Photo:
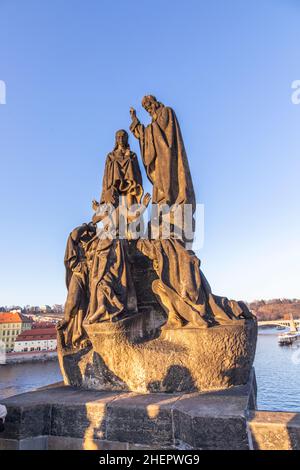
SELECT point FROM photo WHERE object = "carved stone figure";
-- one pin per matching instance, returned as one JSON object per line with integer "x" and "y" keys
{"x": 181, "y": 287}
{"x": 78, "y": 260}
{"x": 164, "y": 154}
{"x": 122, "y": 175}
{"x": 112, "y": 290}
{"x": 142, "y": 309}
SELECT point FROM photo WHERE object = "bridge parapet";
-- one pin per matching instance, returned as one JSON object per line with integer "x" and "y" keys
{"x": 277, "y": 323}
{"x": 274, "y": 430}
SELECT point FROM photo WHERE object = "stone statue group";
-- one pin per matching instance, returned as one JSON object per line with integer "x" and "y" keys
{"x": 99, "y": 277}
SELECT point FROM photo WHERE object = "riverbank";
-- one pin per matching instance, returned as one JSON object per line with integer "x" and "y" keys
{"x": 31, "y": 356}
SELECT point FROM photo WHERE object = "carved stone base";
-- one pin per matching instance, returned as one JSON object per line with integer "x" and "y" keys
{"x": 122, "y": 358}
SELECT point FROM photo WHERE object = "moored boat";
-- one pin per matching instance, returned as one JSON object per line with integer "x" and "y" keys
{"x": 291, "y": 336}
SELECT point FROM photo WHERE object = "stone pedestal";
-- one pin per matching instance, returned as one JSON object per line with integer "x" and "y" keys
{"x": 68, "y": 418}
{"x": 123, "y": 358}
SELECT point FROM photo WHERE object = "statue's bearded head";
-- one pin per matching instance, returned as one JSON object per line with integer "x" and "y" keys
{"x": 150, "y": 103}
{"x": 121, "y": 139}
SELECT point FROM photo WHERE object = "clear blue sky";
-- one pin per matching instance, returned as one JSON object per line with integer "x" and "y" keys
{"x": 72, "y": 70}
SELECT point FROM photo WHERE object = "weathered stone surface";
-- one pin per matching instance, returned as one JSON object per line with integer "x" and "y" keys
{"x": 275, "y": 430}
{"x": 31, "y": 443}
{"x": 142, "y": 419}
{"x": 121, "y": 354}
{"x": 73, "y": 443}
{"x": 217, "y": 420}
{"x": 178, "y": 360}
{"x": 79, "y": 419}
{"x": 22, "y": 422}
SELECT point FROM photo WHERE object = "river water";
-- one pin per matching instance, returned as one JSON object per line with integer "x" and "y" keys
{"x": 277, "y": 373}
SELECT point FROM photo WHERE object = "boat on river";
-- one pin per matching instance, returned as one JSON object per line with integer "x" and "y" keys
{"x": 286, "y": 339}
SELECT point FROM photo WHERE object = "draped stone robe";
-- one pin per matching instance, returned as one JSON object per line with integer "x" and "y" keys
{"x": 97, "y": 275}
{"x": 77, "y": 259}
{"x": 165, "y": 158}
{"x": 122, "y": 175}
{"x": 183, "y": 290}
{"x": 111, "y": 284}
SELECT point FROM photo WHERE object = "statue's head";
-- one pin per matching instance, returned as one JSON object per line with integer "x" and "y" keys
{"x": 121, "y": 139}
{"x": 150, "y": 103}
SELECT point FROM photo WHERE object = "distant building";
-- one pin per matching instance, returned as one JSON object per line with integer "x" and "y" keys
{"x": 32, "y": 309}
{"x": 11, "y": 325}
{"x": 43, "y": 324}
{"x": 58, "y": 308}
{"x": 36, "y": 340}
{"x": 45, "y": 308}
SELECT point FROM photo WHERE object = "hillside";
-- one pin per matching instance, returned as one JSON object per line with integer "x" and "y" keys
{"x": 275, "y": 309}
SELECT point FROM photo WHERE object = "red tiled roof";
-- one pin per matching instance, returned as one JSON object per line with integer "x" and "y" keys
{"x": 37, "y": 334}
{"x": 13, "y": 317}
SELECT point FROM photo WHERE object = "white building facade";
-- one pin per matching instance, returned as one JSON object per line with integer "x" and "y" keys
{"x": 36, "y": 340}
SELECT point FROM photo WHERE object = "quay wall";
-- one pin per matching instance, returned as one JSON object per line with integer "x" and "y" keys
{"x": 33, "y": 356}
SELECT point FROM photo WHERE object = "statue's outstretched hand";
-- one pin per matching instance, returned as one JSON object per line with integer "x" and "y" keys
{"x": 132, "y": 113}
{"x": 146, "y": 200}
{"x": 95, "y": 205}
